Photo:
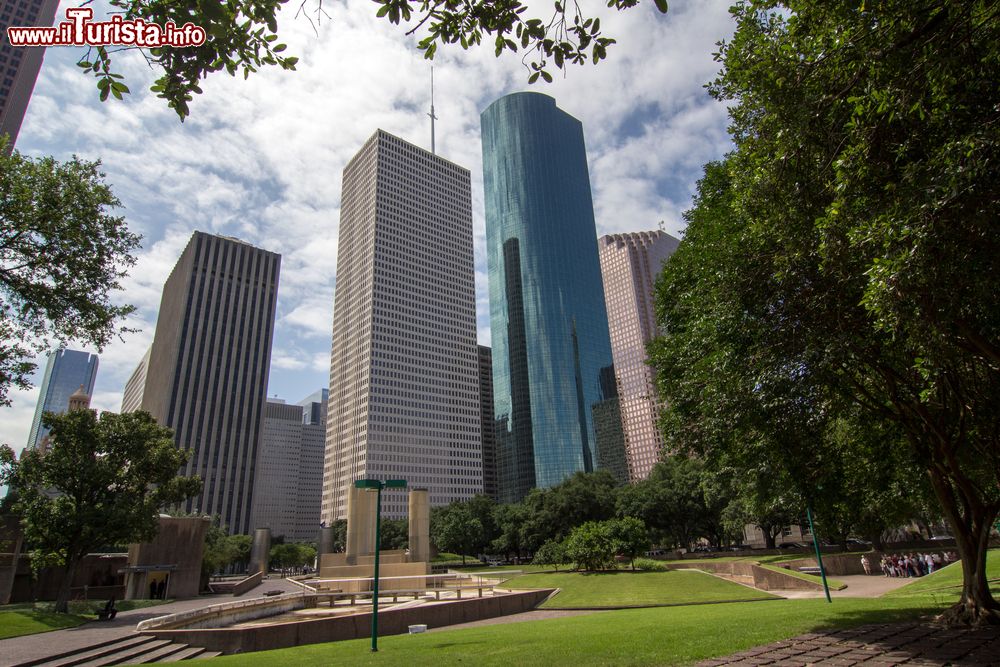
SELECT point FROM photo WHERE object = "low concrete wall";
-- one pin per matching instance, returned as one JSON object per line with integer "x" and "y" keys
{"x": 752, "y": 574}
{"x": 227, "y": 613}
{"x": 390, "y": 622}
{"x": 251, "y": 582}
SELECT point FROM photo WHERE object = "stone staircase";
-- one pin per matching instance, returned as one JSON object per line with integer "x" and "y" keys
{"x": 134, "y": 649}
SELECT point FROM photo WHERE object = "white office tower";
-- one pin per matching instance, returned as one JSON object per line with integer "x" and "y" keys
{"x": 404, "y": 379}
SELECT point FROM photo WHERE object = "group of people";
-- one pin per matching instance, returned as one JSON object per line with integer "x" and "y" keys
{"x": 910, "y": 565}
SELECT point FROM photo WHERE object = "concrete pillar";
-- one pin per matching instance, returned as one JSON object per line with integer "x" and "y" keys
{"x": 260, "y": 551}
{"x": 325, "y": 542}
{"x": 361, "y": 505}
{"x": 420, "y": 526}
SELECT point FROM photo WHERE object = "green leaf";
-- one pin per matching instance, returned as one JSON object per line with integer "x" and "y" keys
{"x": 661, "y": 5}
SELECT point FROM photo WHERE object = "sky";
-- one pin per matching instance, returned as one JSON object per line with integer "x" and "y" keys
{"x": 262, "y": 159}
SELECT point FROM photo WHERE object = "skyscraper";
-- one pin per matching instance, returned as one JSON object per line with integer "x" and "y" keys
{"x": 289, "y": 475}
{"x": 486, "y": 422}
{"x": 404, "y": 384}
{"x": 547, "y": 316}
{"x": 206, "y": 373}
{"x": 19, "y": 65}
{"x": 65, "y": 372}
{"x": 630, "y": 264}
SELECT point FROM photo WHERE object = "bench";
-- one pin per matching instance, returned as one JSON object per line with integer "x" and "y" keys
{"x": 810, "y": 570}
{"x": 332, "y": 596}
{"x": 107, "y": 612}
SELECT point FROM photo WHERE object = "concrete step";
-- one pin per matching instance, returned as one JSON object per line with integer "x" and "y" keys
{"x": 207, "y": 654}
{"x": 92, "y": 652}
{"x": 186, "y": 653}
{"x": 129, "y": 654}
{"x": 161, "y": 654}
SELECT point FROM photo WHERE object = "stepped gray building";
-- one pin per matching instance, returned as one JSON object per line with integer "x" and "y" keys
{"x": 629, "y": 265}
{"x": 289, "y": 475}
{"x": 205, "y": 375}
{"x": 404, "y": 380}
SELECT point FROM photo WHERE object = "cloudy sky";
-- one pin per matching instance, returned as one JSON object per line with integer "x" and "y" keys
{"x": 262, "y": 159}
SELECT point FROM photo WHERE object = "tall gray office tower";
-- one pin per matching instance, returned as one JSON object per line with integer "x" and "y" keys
{"x": 289, "y": 475}
{"x": 554, "y": 406}
{"x": 206, "y": 372}
{"x": 404, "y": 383}
{"x": 65, "y": 372}
{"x": 486, "y": 420}
{"x": 630, "y": 264}
{"x": 19, "y": 65}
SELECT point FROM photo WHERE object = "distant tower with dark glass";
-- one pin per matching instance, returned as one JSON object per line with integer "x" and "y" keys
{"x": 486, "y": 412}
{"x": 19, "y": 66}
{"x": 549, "y": 325}
{"x": 404, "y": 384}
{"x": 206, "y": 372}
{"x": 65, "y": 372}
{"x": 630, "y": 264}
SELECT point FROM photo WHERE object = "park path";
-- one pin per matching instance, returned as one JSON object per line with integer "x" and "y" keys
{"x": 17, "y": 650}
{"x": 858, "y": 586}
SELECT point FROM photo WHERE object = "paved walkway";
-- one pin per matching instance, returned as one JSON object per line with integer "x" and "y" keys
{"x": 909, "y": 644}
{"x": 16, "y": 650}
{"x": 858, "y": 586}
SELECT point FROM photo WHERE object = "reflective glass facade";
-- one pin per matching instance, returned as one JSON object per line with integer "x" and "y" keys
{"x": 551, "y": 348}
{"x": 65, "y": 372}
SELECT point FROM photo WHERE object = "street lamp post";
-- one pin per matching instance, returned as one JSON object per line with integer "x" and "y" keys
{"x": 377, "y": 486}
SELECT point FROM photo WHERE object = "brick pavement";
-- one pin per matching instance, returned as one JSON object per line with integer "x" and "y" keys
{"x": 910, "y": 644}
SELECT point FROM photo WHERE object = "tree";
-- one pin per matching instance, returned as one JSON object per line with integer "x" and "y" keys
{"x": 551, "y": 553}
{"x": 592, "y": 546}
{"x": 102, "y": 481}
{"x": 61, "y": 256}
{"x": 455, "y": 529}
{"x": 630, "y": 536}
{"x": 849, "y": 252}
{"x": 241, "y": 36}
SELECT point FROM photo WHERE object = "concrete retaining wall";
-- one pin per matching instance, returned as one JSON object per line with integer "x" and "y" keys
{"x": 390, "y": 622}
{"x": 251, "y": 582}
{"x": 752, "y": 574}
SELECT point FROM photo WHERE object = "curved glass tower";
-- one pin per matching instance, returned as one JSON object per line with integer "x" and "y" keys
{"x": 555, "y": 403}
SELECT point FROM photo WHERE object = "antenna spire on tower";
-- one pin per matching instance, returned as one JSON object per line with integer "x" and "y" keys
{"x": 431, "y": 114}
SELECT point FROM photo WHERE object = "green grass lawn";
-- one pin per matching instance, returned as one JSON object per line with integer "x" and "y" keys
{"x": 657, "y": 636}
{"x": 17, "y": 620}
{"x": 630, "y": 589}
{"x": 948, "y": 581}
{"x": 30, "y": 618}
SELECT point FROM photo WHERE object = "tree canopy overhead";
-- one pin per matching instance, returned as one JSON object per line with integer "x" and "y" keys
{"x": 840, "y": 268}
{"x": 242, "y": 37}
{"x": 62, "y": 255}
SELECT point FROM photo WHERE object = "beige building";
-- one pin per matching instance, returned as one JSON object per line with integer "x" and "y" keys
{"x": 404, "y": 378}
{"x": 205, "y": 375}
{"x": 289, "y": 474}
{"x": 629, "y": 266}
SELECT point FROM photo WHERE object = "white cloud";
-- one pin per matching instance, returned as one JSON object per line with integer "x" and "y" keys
{"x": 262, "y": 159}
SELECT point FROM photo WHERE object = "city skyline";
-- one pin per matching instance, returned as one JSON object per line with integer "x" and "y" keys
{"x": 646, "y": 142}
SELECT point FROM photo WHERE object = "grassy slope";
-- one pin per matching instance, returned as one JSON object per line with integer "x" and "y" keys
{"x": 948, "y": 580}
{"x": 624, "y": 589}
{"x": 31, "y": 621}
{"x": 658, "y": 636}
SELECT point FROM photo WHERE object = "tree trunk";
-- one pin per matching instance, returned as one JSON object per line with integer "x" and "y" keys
{"x": 62, "y": 598}
{"x": 972, "y": 532}
{"x": 769, "y": 537}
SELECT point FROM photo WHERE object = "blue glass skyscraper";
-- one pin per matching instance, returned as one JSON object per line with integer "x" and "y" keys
{"x": 65, "y": 372}
{"x": 552, "y": 368}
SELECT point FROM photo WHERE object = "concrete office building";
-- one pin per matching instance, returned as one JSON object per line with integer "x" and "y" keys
{"x": 549, "y": 324}
{"x": 19, "y": 65}
{"x": 206, "y": 372}
{"x": 404, "y": 384}
{"x": 136, "y": 385}
{"x": 289, "y": 475}
{"x": 66, "y": 371}
{"x": 630, "y": 264}
{"x": 486, "y": 422}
